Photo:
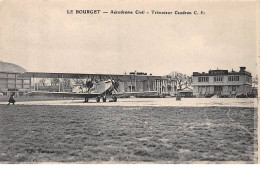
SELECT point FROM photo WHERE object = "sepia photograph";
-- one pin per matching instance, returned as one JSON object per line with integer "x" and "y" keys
{"x": 129, "y": 82}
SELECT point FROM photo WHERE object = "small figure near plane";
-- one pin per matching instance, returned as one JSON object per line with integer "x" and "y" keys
{"x": 11, "y": 99}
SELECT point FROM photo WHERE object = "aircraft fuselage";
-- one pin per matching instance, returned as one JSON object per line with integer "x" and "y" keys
{"x": 104, "y": 88}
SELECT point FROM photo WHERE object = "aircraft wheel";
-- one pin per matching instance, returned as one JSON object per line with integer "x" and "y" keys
{"x": 115, "y": 99}
{"x": 104, "y": 99}
{"x": 98, "y": 99}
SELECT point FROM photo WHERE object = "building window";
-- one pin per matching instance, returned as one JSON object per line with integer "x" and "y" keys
{"x": 201, "y": 89}
{"x": 248, "y": 79}
{"x": 10, "y": 75}
{"x": 232, "y": 88}
{"x": 3, "y": 75}
{"x": 218, "y": 79}
{"x": 203, "y": 79}
{"x": 233, "y": 78}
{"x": 218, "y": 88}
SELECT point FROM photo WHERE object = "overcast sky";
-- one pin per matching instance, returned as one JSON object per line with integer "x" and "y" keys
{"x": 41, "y": 36}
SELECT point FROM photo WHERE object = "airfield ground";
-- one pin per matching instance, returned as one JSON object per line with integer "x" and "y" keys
{"x": 106, "y": 133}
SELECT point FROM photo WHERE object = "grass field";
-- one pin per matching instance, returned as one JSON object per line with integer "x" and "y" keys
{"x": 105, "y": 134}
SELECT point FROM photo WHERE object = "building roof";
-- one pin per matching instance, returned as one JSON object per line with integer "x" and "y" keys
{"x": 82, "y": 76}
{"x": 10, "y": 68}
{"x": 218, "y": 72}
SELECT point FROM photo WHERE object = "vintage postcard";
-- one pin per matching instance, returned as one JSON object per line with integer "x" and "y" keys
{"x": 129, "y": 81}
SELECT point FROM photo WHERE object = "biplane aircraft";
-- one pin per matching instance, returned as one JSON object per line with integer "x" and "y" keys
{"x": 98, "y": 90}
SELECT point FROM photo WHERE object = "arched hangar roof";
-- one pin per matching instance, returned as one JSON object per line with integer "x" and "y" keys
{"x": 10, "y": 68}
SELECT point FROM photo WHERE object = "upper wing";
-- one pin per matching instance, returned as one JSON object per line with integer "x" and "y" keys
{"x": 63, "y": 94}
{"x": 137, "y": 94}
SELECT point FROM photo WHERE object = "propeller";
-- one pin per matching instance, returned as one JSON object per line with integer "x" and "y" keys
{"x": 114, "y": 83}
{"x": 89, "y": 84}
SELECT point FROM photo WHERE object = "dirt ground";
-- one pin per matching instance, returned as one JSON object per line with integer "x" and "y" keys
{"x": 124, "y": 134}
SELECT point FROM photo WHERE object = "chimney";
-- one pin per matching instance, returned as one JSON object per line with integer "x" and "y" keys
{"x": 242, "y": 69}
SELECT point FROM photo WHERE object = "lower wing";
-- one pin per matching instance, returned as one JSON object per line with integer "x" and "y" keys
{"x": 137, "y": 94}
{"x": 63, "y": 94}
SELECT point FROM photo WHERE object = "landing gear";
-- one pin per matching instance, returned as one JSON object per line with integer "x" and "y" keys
{"x": 114, "y": 99}
{"x": 86, "y": 100}
{"x": 104, "y": 98}
{"x": 98, "y": 99}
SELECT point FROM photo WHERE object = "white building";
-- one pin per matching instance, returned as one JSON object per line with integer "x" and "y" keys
{"x": 222, "y": 83}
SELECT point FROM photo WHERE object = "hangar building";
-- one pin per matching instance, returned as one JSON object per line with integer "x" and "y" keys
{"x": 127, "y": 82}
{"x": 15, "y": 79}
{"x": 10, "y": 82}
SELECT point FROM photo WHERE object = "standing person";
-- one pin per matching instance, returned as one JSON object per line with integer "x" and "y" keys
{"x": 11, "y": 99}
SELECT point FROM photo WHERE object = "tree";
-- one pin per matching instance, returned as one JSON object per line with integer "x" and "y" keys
{"x": 67, "y": 82}
{"x": 42, "y": 82}
{"x": 78, "y": 82}
{"x": 180, "y": 80}
{"x": 55, "y": 81}
{"x": 188, "y": 82}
